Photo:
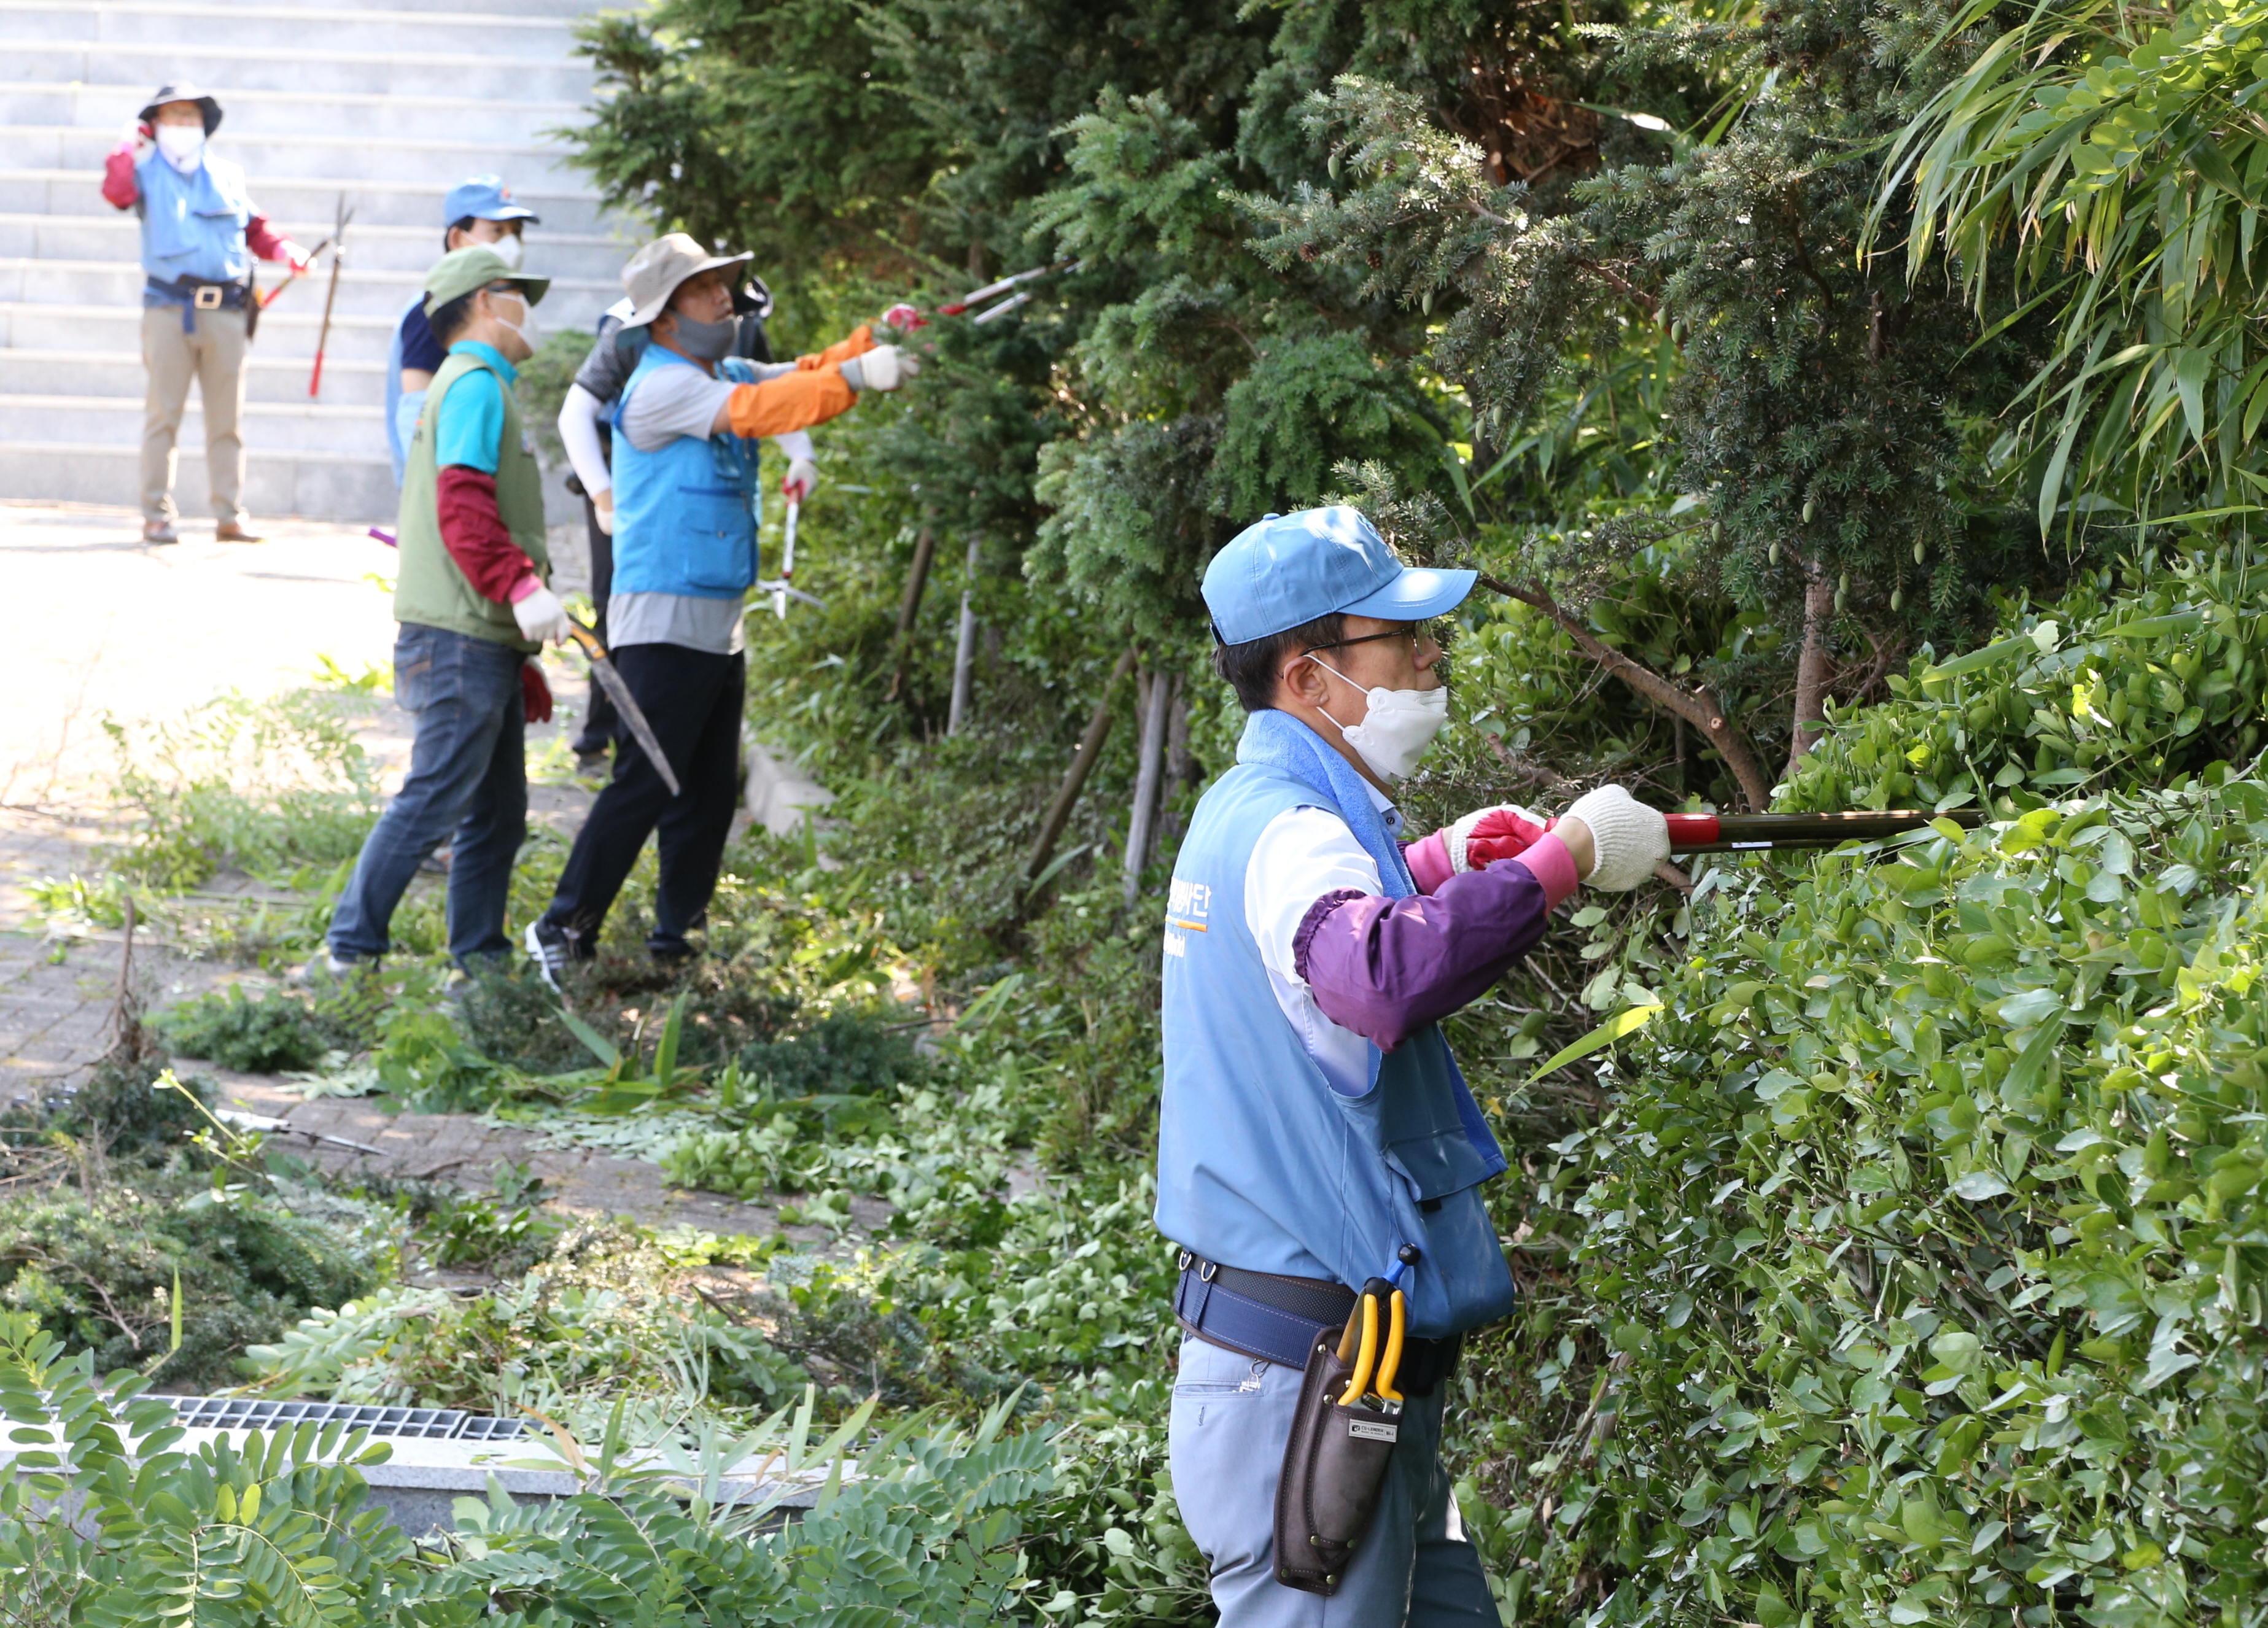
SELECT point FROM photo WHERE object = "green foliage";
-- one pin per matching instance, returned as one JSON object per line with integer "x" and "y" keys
{"x": 1909, "y": 1263}
{"x": 541, "y": 388}
{"x": 277, "y": 1033}
{"x": 2117, "y": 152}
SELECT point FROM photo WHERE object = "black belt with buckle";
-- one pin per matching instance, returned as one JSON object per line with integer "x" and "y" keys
{"x": 1278, "y": 1318}
{"x": 201, "y": 294}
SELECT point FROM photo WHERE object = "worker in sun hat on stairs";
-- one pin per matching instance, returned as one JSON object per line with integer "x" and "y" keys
{"x": 1315, "y": 1133}
{"x": 199, "y": 234}
{"x": 479, "y": 209}
{"x": 473, "y": 600}
{"x": 615, "y": 354}
{"x": 687, "y": 499}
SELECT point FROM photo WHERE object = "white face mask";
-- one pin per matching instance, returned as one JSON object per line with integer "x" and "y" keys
{"x": 510, "y": 249}
{"x": 529, "y": 335}
{"x": 183, "y": 146}
{"x": 1399, "y": 726}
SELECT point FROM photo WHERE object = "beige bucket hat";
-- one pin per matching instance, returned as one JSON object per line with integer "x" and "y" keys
{"x": 655, "y": 271}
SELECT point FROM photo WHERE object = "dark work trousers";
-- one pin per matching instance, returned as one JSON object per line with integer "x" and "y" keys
{"x": 692, "y": 698}
{"x": 598, "y": 721}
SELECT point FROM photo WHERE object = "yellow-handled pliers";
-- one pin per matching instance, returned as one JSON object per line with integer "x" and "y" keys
{"x": 1389, "y": 1366}
{"x": 1359, "y": 1378}
{"x": 1374, "y": 1372}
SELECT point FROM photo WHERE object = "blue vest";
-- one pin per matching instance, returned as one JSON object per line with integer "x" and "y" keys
{"x": 685, "y": 513}
{"x": 192, "y": 225}
{"x": 1261, "y": 1164}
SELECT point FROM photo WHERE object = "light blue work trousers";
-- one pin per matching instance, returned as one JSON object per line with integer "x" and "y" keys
{"x": 1231, "y": 1416}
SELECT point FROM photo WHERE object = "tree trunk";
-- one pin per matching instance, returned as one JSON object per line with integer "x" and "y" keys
{"x": 1157, "y": 698}
{"x": 1697, "y": 706}
{"x": 916, "y": 581}
{"x": 964, "y": 650}
{"x": 1811, "y": 669}
{"x": 1082, "y": 765}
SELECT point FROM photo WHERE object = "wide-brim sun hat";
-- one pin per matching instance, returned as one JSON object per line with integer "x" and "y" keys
{"x": 183, "y": 91}
{"x": 1286, "y": 570}
{"x": 461, "y": 271}
{"x": 656, "y": 271}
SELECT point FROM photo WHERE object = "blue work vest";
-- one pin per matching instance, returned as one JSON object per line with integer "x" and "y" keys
{"x": 685, "y": 513}
{"x": 1261, "y": 1164}
{"x": 192, "y": 225}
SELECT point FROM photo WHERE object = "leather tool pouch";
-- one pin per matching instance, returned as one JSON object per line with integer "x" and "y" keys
{"x": 1334, "y": 1468}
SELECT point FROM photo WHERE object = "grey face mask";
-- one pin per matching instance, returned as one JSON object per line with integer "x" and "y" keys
{"x": 707, "y": 341}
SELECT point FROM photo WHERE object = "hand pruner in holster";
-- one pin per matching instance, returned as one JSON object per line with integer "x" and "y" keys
{"x": 1343, "y": 1436}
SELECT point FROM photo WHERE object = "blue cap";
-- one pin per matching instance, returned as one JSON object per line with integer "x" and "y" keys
{"x": 483, "y": 197}
{"x": 1288, "y": 569}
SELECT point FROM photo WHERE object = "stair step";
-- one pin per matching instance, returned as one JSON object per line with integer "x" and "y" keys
{"x": 361, "y": 289}
{"x": 407, "y": 71}
{"x": 269, "y": 375}
{"x": 345, "y": 159}
{"x": 585, "y": 256}
{"x": 108, "y": 107}
{"x": 284, "y": 331}
{"x": 318, "y": 486}
{"x": 138, "y": 22}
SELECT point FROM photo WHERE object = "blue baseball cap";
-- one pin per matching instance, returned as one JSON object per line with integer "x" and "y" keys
{"x": 483, "y": 197}
{"x": 1287, "y": 569}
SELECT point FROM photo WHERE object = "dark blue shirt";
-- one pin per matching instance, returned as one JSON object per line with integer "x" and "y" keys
{"x": 419, "y": 349}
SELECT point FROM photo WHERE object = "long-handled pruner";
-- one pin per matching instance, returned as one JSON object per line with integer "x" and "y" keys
{"x": 338, "y": 256}
{"x": 633, "y": 715}
{"x": 313, "y": 254}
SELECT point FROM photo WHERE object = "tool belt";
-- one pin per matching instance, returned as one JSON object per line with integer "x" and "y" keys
{"x": 195, "y": 294}
{"x": 1278, "y": 1320}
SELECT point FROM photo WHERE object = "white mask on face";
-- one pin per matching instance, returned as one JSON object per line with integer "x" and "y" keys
{"x": 528, "y": 333}
{"x": 183, "y": 146}
{"x": 510, "y": 249}
{"x": 1399, "y": 726}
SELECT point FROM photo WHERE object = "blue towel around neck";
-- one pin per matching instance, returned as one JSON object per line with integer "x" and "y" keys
{"x": 1274, "y": 739}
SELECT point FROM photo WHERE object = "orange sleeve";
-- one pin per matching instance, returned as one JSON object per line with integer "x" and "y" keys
{"x": 792, "y": 401}
{"x": 861, "y": 341}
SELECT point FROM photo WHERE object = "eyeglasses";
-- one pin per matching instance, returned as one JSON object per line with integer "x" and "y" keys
{"x": 1410, "y": 632}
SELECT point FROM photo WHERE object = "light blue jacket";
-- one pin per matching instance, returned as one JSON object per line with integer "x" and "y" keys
{"x": 1261, "y": 1164}
{"x": 686, "y": 513}
{"x": 192, "y": 225}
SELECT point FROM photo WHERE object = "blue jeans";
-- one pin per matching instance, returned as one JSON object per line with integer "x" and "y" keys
{"x": 1231, "y": 1416}
{"x": 468, "y": 782}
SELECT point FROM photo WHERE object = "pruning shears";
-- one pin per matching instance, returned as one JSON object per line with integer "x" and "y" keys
{"x": 1374, "y": 1370}
{"x": 783, "y": 587}
{"x": 906, "y": 318}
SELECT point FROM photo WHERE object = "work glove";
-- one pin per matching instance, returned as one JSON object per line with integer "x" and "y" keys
{"x": 1628, "y": 839}
{"x": 904, "y": 317}
{"x": 885, "y": 367}
{"x": 802, "y": 480}
{"x": 298, "y": 257}
{"x": 535, "y": 694}
{"x": 602, "y": 504}
{"x": 141, "y": 137}
{"x": 541, "y": 615}
{"x": 1487, "y": 835}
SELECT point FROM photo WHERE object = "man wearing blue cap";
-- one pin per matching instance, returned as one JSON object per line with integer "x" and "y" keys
{"x": 1315, "y": 1133}
{"x": 479, "y": 209}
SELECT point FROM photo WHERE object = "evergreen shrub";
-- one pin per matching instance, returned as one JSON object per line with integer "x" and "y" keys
{"x": 1914, "y": 1270}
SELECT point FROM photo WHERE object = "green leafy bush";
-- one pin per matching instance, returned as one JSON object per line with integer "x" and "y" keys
{"x": 1913, "y": 1266}
{"x": 275, "y": 1034}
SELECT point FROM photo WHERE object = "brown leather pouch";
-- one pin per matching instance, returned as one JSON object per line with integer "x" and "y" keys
{"x": 1334, "y": 1468}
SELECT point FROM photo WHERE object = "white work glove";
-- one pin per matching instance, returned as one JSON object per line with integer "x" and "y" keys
{"x": 602, "y": 506}
{"x": 1628, "y": 839}
{"x": 802, "y": 480}
{"x": 885, "y": 367}
{"x": 542, "y": 617}
{"x": 137, "y": 136}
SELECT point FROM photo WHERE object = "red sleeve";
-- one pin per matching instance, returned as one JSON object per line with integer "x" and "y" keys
{"x": 264, "y": 240}
{"x": 120, "y": 185}
{"x": 473, "y": 532}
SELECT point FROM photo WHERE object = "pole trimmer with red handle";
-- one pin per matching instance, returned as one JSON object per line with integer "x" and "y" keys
{"x": 1708, "y": 833}
{"x": 338, "y": 256}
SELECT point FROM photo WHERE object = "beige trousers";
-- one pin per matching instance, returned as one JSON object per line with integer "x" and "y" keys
{"x": 214, "y": 356}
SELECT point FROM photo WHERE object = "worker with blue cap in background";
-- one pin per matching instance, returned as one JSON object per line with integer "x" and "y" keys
{"x": 1320, "y": 1157}
{"x": 479, "y": 209}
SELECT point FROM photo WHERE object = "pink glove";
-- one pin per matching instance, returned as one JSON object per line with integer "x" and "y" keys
{"x": 904, "y": 317}
{"x": 1473, "y": 843}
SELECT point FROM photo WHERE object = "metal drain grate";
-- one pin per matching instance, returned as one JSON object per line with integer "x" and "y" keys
{"x": 429, "y": 1423}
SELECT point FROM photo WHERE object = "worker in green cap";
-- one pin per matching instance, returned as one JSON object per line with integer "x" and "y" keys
{"x": 473, "y": 603}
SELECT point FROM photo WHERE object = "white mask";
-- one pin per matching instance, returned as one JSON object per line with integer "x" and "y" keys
{"x": 183, "y": 146}
{"x": 1399, "y": 726}
{"x": 511, "y": 249}
{"x": 529, "y": 335}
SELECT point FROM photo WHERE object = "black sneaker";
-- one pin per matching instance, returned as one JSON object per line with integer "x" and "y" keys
{"x": 552, "y": 948}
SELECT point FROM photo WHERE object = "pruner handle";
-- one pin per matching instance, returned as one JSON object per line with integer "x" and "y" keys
{"x": 587, "y": 639}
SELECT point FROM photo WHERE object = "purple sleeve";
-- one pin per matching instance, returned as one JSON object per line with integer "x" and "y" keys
{"x": 1385, "y": 968}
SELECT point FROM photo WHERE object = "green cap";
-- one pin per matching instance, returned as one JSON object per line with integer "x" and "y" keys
{"x": 461, "y": 271}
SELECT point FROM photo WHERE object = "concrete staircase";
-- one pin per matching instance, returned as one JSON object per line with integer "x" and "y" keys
{"x": 322, "y": 97}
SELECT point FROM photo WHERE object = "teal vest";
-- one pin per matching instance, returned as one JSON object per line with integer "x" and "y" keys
{"x": 686, "y": 513}
{"x": 1261, "y": 1164}
{"x": 192, "y": 225}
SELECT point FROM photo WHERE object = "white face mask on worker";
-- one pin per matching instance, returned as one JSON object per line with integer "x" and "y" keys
{"x": 510, "y": 249}
{"x": 1399, "y": 726}
{"x": 528, "y": 333}
{"x": 183, "y": 146}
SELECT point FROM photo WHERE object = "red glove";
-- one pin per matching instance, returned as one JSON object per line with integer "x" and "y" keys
{"x": 1487, "y": 835}
{"x": 535, "y": 694}
{"x": 904, "y": 317}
